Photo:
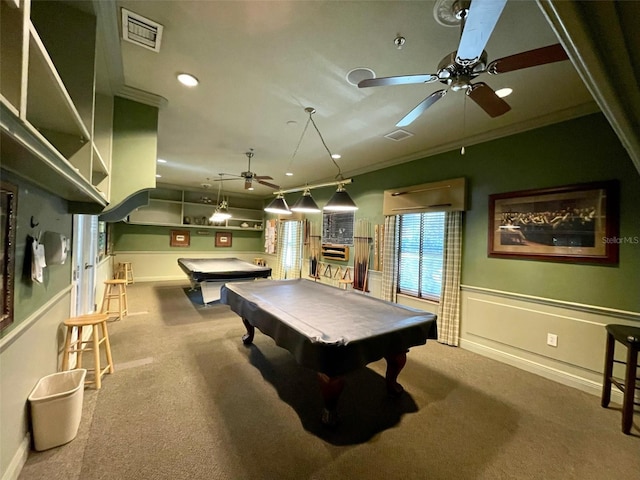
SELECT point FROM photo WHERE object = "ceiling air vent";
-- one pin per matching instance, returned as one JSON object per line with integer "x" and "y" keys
{"x": 398, "y": 135}
{"x": 141, "y": 31}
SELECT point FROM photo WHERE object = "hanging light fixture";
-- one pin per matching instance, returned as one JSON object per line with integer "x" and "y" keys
{"x": 340, "y": 201}
{"x": 306, "y": 203}
{"x": 278, "y": 205}
{"x": 221, "y": 213}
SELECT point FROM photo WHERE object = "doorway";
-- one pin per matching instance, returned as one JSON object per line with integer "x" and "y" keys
{"x": 85, "y": 251}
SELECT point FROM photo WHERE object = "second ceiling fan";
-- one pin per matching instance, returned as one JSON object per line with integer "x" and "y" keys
{"x": 250, "y": 176}
{"x": 458, "y": 69}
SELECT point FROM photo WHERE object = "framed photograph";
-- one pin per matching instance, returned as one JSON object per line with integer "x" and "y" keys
{"x": 180, "y": 238}
{"x": 573, "y": 223}
{"x": 223, "y": 239}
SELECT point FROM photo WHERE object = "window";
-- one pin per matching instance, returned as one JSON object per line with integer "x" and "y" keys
{"x": 420, "y": 254}
{"x": 289, "y": 249}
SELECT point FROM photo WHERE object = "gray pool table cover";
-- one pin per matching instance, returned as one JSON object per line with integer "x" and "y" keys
{"x": 328, "y": 329}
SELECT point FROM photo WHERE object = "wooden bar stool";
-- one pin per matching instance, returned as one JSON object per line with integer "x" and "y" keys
{"x": 79, "y": 346}
{"x": 125, "y": 271}
{"x": 629, "y": 337}
{"x": 115, "y": 290}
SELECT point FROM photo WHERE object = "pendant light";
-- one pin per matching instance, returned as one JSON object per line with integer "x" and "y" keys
{"x": 278, "y": 205}
{"x": 340, "y": 201}
{"x": 221, "y": 213}
{"x": 306, "y": 203}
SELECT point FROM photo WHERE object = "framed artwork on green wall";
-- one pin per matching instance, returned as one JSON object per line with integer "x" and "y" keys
{"x": 571, "y": 223}
{"x": 223, "y": 239}
{"x": 180, "y": 238}
{"x": 8, "y": 215}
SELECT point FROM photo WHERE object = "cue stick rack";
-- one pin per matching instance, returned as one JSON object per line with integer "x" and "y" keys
{"x": 362, "y": 246}
{"x": 312, "y": 247}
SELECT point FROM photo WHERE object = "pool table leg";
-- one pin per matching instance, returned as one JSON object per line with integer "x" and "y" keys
{"x": 395, "y": 363}
{"x": 330, "y": 388}
{"x": 251, "y": 330}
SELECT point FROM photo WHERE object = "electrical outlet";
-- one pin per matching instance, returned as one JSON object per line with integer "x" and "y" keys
{"x": 552, "y": 339}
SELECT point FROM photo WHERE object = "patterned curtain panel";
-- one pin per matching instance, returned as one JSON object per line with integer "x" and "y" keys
{"x": 390, "y": 259}
{"x": 449, "y": 311}
{"x": 289, "y": 260}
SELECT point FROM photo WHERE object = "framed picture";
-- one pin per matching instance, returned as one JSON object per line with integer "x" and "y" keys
{"x": 180, "y": 238}
{"x": 8, "y": 215}
{"x": 223, "y": 239}
{"x": 574, "y": 223}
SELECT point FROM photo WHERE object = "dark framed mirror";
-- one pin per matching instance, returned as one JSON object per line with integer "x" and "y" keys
{"x": 8, "y": 214}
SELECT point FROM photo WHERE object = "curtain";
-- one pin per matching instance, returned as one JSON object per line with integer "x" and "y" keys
{"x": 289, "y": 259}
{"x": 390, "y": 259}
{"x": 449, "y": 311}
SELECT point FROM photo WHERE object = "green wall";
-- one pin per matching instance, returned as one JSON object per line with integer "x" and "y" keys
{"x": 50, "y": 212}
{"x": 577, "y": 151}
{"x": 136, "y": 238}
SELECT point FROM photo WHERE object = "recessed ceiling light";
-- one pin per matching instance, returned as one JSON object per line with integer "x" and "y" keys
{"x": 503, "y": 92}
{"x": 289, "y": 174}
{"x": 158, "y": 175}
{"x": 188, "y": 80}
{"x": 160, "y": 160}
{"x": 336, "y": 156}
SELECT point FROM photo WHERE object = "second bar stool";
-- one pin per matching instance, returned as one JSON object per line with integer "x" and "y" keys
{"x": 125, "y": 271}
{"x": 115, "y": 290}
{"x": 80, "y": 346}
{"x": 629, "y": 337}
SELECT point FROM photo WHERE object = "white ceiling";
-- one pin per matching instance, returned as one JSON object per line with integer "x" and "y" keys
{"x": 261, "y": 63}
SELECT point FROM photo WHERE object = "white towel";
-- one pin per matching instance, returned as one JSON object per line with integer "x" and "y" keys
{"x": 37, "y": 261}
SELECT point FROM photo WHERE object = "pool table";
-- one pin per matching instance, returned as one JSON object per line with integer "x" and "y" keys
{"x": 330, "y": 330}
{"x": 211, "y": 273}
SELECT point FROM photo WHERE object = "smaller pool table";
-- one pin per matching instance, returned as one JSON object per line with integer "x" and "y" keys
{"x": 211, "y": 273}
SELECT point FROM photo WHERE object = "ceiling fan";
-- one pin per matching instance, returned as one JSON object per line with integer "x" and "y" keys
{"x": 477, "y": 20}
{"x": 250, "y": 176}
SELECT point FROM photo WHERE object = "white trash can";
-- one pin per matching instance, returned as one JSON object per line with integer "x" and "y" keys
{"x": 56, "y": 408}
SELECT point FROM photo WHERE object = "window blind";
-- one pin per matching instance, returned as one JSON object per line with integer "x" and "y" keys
{"x": 420, "y": 254}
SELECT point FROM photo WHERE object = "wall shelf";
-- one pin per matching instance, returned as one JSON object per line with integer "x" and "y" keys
{"x": 178, "y": 208}
{"x": 47, "y": 96}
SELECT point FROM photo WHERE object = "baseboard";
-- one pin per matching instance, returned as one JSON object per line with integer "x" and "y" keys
{"x": 564, "y": 378}
{"x": 19, "y": 459}
{"x": 165, "y": 278}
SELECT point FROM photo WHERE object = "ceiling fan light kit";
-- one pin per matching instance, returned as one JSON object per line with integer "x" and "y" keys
{"x": 477, "y": 20}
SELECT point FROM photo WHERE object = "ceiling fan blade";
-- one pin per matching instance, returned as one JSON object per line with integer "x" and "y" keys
{"x": 530, "y": 58}
{"x": 399, "y": 80}
{"x": 236, "y": 177}
{"x": 420, "y": 109}
{"x": 275, "y": 187}
{"x": 486, "y": 98}
{"x": 262, "y": 177}
{"x": 478, "y": 26}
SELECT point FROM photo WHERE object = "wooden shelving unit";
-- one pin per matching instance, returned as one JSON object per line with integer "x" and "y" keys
{"x": 178, "y": 208}
{"x": 47, "y": 99}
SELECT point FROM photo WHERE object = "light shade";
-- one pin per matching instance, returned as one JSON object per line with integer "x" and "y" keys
{"x": 340, "y": 202}
{"x": 221, "y": 213}
{"x": 306, "y": 203}
{"x": 278, "y": 205}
